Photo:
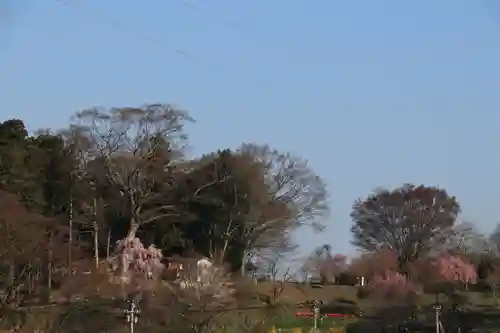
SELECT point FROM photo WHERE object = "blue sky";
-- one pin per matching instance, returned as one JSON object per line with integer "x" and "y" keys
{"x": 373, "y": 93}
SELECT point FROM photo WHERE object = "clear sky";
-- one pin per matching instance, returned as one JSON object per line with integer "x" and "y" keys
{"x": 373, "y": 93}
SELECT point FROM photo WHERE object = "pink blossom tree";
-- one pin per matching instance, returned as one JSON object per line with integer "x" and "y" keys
{"x": 451, "y": 270}
{"x": 396, "y": 296}
{"x": 392, "y": 286}
{"x": 134, "y": 265}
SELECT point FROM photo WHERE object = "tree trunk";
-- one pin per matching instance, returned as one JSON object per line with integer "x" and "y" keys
{"x": 134, "y": 222}
{"x": 96, "y": 232}
{"x": 244, "y": 259}
{"x": 132, "y": 231}
{"x": 12, "y": 278}
{"x": 49, "y": 264}
{"x": 108, "y": 245}
{"x": 29, "y": 278}
{"x": 96, "y": 244}
{"x": 70, "y": 241}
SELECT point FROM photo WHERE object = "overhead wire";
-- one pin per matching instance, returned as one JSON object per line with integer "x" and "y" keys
{"x": 158, "y": 42}
{"x": 229, "y": 24}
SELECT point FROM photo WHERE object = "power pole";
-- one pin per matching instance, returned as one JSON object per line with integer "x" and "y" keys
{"x": 132, "y": 314}
{"x": 439, "y": 325}
{"x": 316, "y": 305}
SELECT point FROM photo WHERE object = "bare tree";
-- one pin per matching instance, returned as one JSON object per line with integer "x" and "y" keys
{"x": 465, "y": 239}
{"x": 277, "y": 277}
{"x": 297, "y": 198}
{"x": 409, "y": 220}
{"x": 368, "y": 265}
{"x": 133, "y": 148}
{"x": 493, "y": 278}
{"x": 199, "y": 301}
{"x": 256, "y": 198}
{"x": 494, "y": 240}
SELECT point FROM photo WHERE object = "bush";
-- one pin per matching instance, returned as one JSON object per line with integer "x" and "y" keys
{"x": 341, "y": 305}
{"x": 346, "y": 279}
{"x": 363, "y": 292}
{"x": 481, "y": 286}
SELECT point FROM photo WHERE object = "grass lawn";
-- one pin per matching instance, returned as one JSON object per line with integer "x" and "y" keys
{"x": 476, "y": 304}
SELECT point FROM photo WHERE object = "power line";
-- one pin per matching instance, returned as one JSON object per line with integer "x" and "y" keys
{"x": 229, "y": 24}
{"x": 123, "y": 26}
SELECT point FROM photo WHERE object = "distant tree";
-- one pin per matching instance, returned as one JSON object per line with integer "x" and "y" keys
{"x": 196, "y": 302}
{"x": 410, "y": 220}
{"x": 395, "y": 295}
{"x": 392, "y": 286}
{"x": 293, "y": 185}
{"x": 372, "y": 264}
{"x": 23, "y": 245}
{"x": 445, "y": 272}
{"x": 322, "y": 264}
{"x": 332, "y": 267}
{"x": 465, "y": 240}
{"x": 247, "y": 202}
{"x": 494, "y": 240}
{"x": 135, "y": 265}
{"x": 131, "y": 150}
{"x": 218, "y": 197}
{"x": 492, "y": 276}
{"x": 454, "y": 269}
{"x": 15, "y": 175}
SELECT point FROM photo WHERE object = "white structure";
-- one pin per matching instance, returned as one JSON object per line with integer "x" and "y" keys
{"x": 203, "y": 270}
{"x": 361, "y": 281}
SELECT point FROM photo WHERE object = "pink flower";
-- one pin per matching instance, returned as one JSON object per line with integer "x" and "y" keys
{"x": 451, "y": 268}
{"x": 392, "y": 285}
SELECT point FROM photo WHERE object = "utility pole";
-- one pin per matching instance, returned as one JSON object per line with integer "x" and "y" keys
{"x": 316, "y": 305}
{"x": 132, "y": 314}
{"x": 439, "y": 325}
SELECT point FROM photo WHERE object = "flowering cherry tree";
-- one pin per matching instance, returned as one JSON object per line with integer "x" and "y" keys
{"x": 450, "y": 270}
{"x": 392, "y": 285}
{"x": 454, "y": 269}
{"x": 135, "y": 265}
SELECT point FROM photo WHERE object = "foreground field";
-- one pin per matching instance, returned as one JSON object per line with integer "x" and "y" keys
{"x": 479, "y": 310}
{"x": 475, "y": 309}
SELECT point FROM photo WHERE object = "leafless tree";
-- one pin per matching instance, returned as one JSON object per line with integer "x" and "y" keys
{"x": 494, "y": 240}
{"x": 409, "y": 221}
{"x": 198, "y": 302}
{"x": 132, "y": 148}
{"x": 277, "y": 277}
{"x": 297, "y": 197}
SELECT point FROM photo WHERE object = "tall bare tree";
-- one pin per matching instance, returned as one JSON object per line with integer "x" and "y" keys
{"x": 133, "y": 149}
{"x": 409, "y": 220}
{"x": 296, "y": 197}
